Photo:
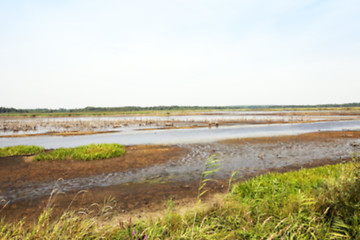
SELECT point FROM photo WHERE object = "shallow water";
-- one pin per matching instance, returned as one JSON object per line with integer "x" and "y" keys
{"x": 178, "y": 136}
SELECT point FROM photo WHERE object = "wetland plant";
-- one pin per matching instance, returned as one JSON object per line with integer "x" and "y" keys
{"x": 20, "y": 150}
{"x": 83, "y": 153}
{"x": 212, "y": 166}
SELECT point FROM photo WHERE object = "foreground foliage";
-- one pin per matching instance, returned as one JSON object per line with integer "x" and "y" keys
{"x": 319, "y": 203}
{"x": 20, "y": 150}
{"x": 83, "y": 153}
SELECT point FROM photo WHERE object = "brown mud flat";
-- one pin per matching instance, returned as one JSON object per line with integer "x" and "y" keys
{"x": 135, "y": 199}
{"x": 19, "y": 170}
{"x": 132, "y": 200}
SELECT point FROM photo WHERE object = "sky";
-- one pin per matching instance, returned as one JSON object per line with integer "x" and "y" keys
{"x": 109, "y": 53}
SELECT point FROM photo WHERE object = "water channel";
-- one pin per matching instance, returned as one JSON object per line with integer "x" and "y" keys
{"x": 181, "y": 136}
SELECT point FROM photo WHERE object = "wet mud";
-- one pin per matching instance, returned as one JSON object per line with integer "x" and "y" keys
{"x": 19, "y": 171}
{"x": 149, "y": 175}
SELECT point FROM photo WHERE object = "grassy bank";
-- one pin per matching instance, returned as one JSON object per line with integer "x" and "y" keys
{"x": 20, "y": 150}
{"x": 83, "y": 153}
{"x": 319, "y": 203}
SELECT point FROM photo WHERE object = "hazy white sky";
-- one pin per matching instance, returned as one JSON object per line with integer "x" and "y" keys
{"x": 78, "y": 53}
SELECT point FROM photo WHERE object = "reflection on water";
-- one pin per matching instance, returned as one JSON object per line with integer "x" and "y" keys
{"x": 176, "y": 136}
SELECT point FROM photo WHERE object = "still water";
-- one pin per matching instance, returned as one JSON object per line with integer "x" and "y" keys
{"x": 181, "y": 136}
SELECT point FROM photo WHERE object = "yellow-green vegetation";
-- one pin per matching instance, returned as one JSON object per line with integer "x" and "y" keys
{"x": 20, "y": 150}
{"x": 319, "y": 203}
{"x": 83, "y": 153}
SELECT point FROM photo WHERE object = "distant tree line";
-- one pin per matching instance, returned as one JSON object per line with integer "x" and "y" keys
{"x": 37, "y": 110}
{"x": 168, "y": 108}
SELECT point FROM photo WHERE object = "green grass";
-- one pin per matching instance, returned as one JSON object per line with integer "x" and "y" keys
{"x": 20, "y": 150}
{"x": 319, "y": 203}
{"x": 83, "y": 153}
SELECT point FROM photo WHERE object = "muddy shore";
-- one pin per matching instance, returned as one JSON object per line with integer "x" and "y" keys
{"x": 149, "y": 195}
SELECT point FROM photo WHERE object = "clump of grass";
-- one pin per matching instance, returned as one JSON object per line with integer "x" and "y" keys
{"x": 341, "y": 202}
{"x": 83, "y": 153}
{"x": 70, "y": 225}
{"x": 20, "y": 150}
{"x": 320, "y": 203}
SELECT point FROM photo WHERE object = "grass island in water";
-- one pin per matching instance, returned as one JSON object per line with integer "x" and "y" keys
{"x": 20, "y": 150}
{"x": 83, "y": 153}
